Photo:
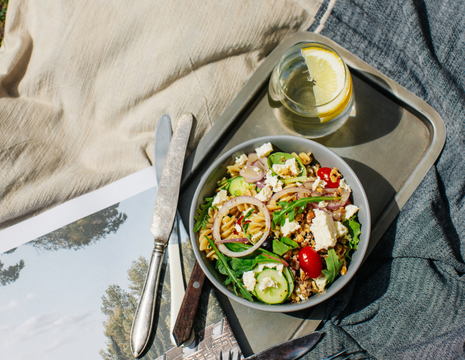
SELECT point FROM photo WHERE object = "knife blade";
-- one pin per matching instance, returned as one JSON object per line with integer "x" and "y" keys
{"x": 162, "y": 223}
{"x": 289, "y": 350}
{"x": 162, "y": 142}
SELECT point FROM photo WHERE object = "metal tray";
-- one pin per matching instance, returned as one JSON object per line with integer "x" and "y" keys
{"x": 391, "y": 142}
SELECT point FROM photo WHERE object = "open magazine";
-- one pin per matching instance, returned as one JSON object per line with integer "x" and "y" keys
{"x": 70, "y": 281}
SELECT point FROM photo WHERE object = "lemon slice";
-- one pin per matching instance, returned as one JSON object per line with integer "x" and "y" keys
{"x": 327, "y": 72}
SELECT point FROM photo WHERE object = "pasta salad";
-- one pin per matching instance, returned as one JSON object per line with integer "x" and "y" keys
{"x": 280, "y": 227}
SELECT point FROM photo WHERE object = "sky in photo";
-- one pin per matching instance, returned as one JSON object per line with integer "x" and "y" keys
{"x": 52, "y": 311}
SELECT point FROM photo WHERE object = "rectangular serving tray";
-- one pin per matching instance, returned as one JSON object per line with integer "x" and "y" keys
{"x": 391, "y": 142}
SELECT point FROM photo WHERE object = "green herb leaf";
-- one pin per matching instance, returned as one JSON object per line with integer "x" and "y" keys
{"x": 333, "y": 266}
{"x": 280, "y": 158}
{"x": 354, "y": 232}
{"x": 231, "y": 275}
{"x": 202, "y": 214}
{"x": 225, "y": 184}
{"x": 241, "y": 247}
{"x": 288, "y": 209}
{"x": 245, "y": 225}
{"x": 243, "y": 264}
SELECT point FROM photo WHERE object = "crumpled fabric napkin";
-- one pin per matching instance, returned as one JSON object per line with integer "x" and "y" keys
{"x": 83, "y": 84}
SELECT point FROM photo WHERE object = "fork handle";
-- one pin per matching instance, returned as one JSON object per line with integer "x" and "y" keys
{"x": 185, "y": 320}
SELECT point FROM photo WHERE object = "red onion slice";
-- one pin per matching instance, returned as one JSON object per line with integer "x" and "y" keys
{"x": 252, "y": 173}
{"x": 232, "y": 240}
{"x": 224, "y": 210}
{"x": 334, "y": 205}
{"x": 302, "y": 192}
{"x": 261, "y": 184}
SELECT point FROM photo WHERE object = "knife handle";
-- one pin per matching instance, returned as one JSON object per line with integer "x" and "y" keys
{"x": 185, "y": 320}
{"x": 143, "y": 319}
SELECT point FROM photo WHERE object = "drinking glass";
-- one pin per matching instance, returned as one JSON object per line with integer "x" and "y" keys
{"x": 311, "y": 105}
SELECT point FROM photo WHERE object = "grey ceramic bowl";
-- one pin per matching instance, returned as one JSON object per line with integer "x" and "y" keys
{"x": 325, "y": 157}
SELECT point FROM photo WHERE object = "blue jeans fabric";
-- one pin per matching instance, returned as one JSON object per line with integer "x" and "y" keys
{"x": 408, "y": 299}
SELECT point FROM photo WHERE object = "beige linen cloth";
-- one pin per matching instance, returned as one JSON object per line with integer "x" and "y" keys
{"x": 83, "y": 84}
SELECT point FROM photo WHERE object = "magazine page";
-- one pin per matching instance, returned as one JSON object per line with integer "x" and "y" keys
{"x": 71, "y": 293}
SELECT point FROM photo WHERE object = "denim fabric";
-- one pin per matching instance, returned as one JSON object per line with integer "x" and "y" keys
{"x": 408, "y": 299}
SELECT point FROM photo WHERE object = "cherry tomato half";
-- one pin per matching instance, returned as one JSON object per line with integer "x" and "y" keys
{"x": 325, "y": 174}
{"x": 310, "y": 262}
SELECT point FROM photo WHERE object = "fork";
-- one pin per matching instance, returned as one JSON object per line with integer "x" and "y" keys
{"x": 230, "y": 356}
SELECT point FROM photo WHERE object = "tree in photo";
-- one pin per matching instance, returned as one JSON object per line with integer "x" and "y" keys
{"x": 120, "y": 306}
{"x": 83, "y": 232}
{"x": 9, "y": 275}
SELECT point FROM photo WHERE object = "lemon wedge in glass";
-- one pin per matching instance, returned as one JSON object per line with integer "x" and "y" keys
{"x": 332, "y": 83}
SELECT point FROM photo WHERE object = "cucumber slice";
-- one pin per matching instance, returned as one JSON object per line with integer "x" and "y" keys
{"x": 287, "y": 272}
{"x": 274, "y": 294}
{"x": 238, "y": 186}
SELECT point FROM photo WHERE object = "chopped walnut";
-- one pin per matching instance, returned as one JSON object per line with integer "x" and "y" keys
{"x": 310, "y": 216}
{"x": 334, "y": 175}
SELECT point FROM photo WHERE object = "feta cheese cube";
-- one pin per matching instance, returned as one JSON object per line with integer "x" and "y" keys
{"x": 344, "y": 185}
{"x": 248, "y": 278}
{"x": 287, "y": 170}
{"x": 271, "y": 265}
{"x": 238, "y": 228}
{"x": 241, "y": 160}
{"x": 350, "y": 211}
{"x": 323, "y": 204}
{"x": 264, "y": 150}
{"x": 341, "y": 230}
{"x": 266, "y": 283}
{"x": 289, "y": 227}
{"x": 320, "y": 282}
{"x": 220, "y": 199}
{"x": 323, "y": 230}
{"x": 318, "y": 183}
{"x": 273, "y": 181}
{"x": 265, "y": 194}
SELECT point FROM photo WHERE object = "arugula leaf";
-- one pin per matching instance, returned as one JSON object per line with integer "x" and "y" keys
{"x": 225, "y": 183}
{"x": 354, "y": 232}
{"x": 231, "y": 275}
{"x": 241, "y": 247}
{"x": 288, "y": 209}
{"x": 243, "y": 264}
{"x": 245, "y": 225}
{"x": 333, "y": 266}
{"x": 281, "y": 158}
{"x": 202, "y": 214}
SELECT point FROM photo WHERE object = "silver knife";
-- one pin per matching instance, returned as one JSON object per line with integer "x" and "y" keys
{"x": 289, "y": 350}
{"x": 162, "y": 223}
{"x": 162, "y": 142}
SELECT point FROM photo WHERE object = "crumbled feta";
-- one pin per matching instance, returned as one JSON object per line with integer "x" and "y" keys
{"x": 323, "y": 204}
{"x": 241, "y": 160}
{"x": 341, "y": 230}
{"x": 288, "y": 170}
{"x": 350, "y": 211}
{"x": 264, "y": 150}
{"x": 318, "y": 183}
{"x": 248, "y": 278}
{"x": 323, "y": 230}
{"x": 238, "y": 228}
{"x": 289, "y": 227}
{"x": 220, "y": 199}
{"x": 266, "y": 283}
{"x": 273, "y": 181}
{"x": 271, "y": 265}
{"x": 265, "y": 194}
{"x": 320, "y": 282}
{"x": 344, "y": 185}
